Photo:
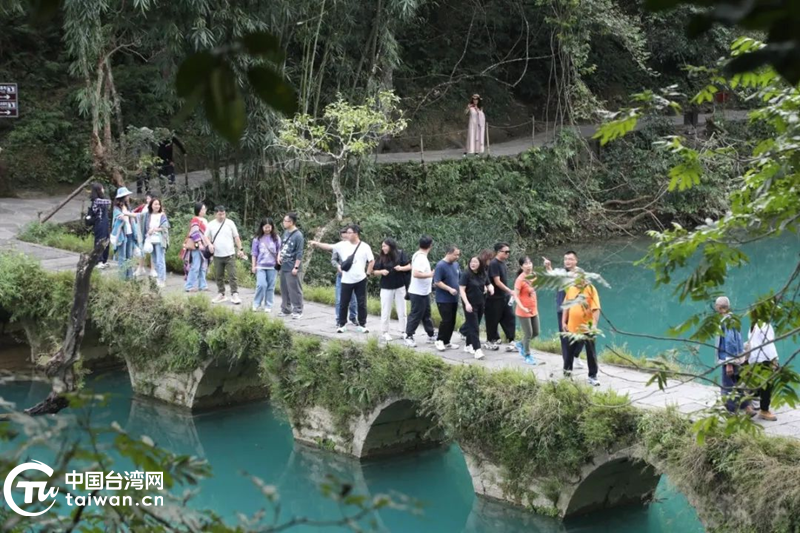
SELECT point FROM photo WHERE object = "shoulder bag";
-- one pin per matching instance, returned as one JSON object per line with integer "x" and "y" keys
{"x": 206, "y": 252}
{"x": 347, "y": 264}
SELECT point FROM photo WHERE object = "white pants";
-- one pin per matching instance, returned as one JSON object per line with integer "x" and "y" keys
{"x": 398, "y": 297}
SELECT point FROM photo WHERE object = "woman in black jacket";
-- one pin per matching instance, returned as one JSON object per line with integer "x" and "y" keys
{"x": 392, "y": 266}
{"x": 473, "y": 286}
{"x": 99, "y": 219}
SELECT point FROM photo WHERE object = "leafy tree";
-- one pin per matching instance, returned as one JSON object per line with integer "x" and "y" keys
{"x": 344, "y": 131}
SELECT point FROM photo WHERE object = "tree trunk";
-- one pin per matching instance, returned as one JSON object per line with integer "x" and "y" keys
{"x": 336, "y": 184}
{"x": 60, "y": 369}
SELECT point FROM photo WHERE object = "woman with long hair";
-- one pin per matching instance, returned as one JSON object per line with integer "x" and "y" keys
{"x": 155, "y": 228}
{"x": 473, "y": 287}
{"x": 476, "y": 129}
{"x": 124, "y": 232}
{"x": 264, "y": 252}
{"x": 761, "y": 345}
{"x": 485, "y": 256}
{"x": 195, "y": 263}
{"x": 392, "y": 265}
{"x": 99, "y": 219}
{"x": 527, "y": 309}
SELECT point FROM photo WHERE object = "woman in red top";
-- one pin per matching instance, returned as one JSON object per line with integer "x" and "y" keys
{"x": 526, "y": 311}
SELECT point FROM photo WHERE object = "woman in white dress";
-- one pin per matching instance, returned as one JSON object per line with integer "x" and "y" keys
{"x": 761, "y": 343}
{"x": 476, "y": 131}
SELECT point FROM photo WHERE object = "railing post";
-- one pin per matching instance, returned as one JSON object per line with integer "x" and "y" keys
{"x": 421, "y": 149}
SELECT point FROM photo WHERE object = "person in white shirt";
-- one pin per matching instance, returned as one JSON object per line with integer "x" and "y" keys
{"x": 761, "y": 345}
{"x": 357, "y": 263}
{"x": 419, "y": 291}
{"x": 225, "y": 242}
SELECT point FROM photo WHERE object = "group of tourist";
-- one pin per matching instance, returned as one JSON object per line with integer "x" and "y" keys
{"x": 139, "y": 232}
{"x": 482, "y": 290}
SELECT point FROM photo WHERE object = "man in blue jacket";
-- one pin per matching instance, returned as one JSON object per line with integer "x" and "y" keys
{"x": 729, "y": 355}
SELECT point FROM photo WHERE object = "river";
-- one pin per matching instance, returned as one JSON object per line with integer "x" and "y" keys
{"x": 634, "y": 305}
{"x": 254, "y": 438}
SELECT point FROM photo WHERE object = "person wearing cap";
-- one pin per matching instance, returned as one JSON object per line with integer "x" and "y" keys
{"x": 226, "y": 246}
{"x": 123, "y": 232}
{"x": 476, "y": 130}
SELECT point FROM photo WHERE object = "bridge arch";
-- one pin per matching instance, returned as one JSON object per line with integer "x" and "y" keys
{"x": 394, "y": 426}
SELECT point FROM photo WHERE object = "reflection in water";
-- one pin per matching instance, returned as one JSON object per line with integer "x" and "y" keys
{"x": 253, "y": 439}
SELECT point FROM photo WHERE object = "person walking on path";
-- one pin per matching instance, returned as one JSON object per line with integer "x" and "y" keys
{"x": 195, "y": 250}
{"x": 392, "y": 265}
{"x": 473, "y": 286}
{"x": 141, "y": 270}
{"x": 336, "y": 262}
{"x": 123, "y": 232}
{"x": 570, "y": 264}
{"x": 580, "y": 316}
{"x": 498, "y": 304}
{"x": 167, "y": 157}
{"x": 155, "y": 230}
{"x": 98, "y": 218}
{"x": 485, "y": 257}
{"x": 761, "y": 345}
{"x": 356, "y": 266}
{"x": 446, "y": 277}
{"x": 226, "y": 245}
{"x": 265, "y": 249}
{"x": 291, "y": 261}
{"x": 419, "y": 291}
{"x": 527, "y": 309}
{"x": 729, "y": 355}
{"x": 476, "y": 128}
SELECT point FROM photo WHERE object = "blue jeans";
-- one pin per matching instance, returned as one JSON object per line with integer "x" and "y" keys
{"x": 159, "y": 258}
{"x": 265, "y": 288}
{"x": 353, "y": 301}
{"x": 198, "y": 269}
{"x": 124, "y": 258}
{"x": 732, "y": 395}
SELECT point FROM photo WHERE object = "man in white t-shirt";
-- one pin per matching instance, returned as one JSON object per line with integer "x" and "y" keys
{"x": 225, "y": 242}
{"x": 357, "y": 263}
{"x": 419, "y": 291}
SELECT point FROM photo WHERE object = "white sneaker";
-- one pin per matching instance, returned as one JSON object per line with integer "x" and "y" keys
{"x": 577, "y": 363}
{"x": 387, "y": 337}
{"x": 297, "y": 316}
{"x": 219, "y": 299}
{"x": 431, "y": 340}
{"x": 102, "y": 266}
{"x": 341, "y": 329}
{"x": 469, "y": 349}
{"x": 153, "y": 273}
{"x": 268, "y": 310}
{"x": 235, "y": 300}
{"x": 439, "y": 346}
{"x": 161, "y": 284}
{"x": 254, "y": 307}
{"x": 452, "y": 346}
{"x": 593, "y": 382}
{"x": 411, "y": 343}
{"x": 478, "y": 354}
{"x": 510, "y": 347}
{"x": 362, "y": 329}
{"x": 282, "y": 314}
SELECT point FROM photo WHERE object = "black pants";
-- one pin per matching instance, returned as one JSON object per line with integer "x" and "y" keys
{"x": 471, "y": 327}
{"x": 360, "y": 290}
{"x": 765, "y": 393}
{"x": 420, "y": 312}
{"x": 167, "y": 171}
{"x": 575, "y": 349}
{"x": 498, "y": 312}
{"x": 448, "y": 323}
{"x": 564, "y": 340}
{"x": 102, "y": 231}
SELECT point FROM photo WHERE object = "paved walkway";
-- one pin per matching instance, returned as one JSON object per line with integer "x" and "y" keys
{"x": 17, "y": 212}
{"x": 318, "y": 320}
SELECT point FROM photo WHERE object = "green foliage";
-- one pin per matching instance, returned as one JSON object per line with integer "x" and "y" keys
{"x": 56, "y": 236}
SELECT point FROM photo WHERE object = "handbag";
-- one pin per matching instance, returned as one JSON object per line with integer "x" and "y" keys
{"x": 89, "y": 219}
{"x": 347, "y": 264}
{"x": 205, "y": 251}
{"x": 147, "y": 248}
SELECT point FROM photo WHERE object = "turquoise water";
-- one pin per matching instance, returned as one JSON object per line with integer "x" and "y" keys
{"x": 634, "y": 305}
{"x": 253, "y": 438}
